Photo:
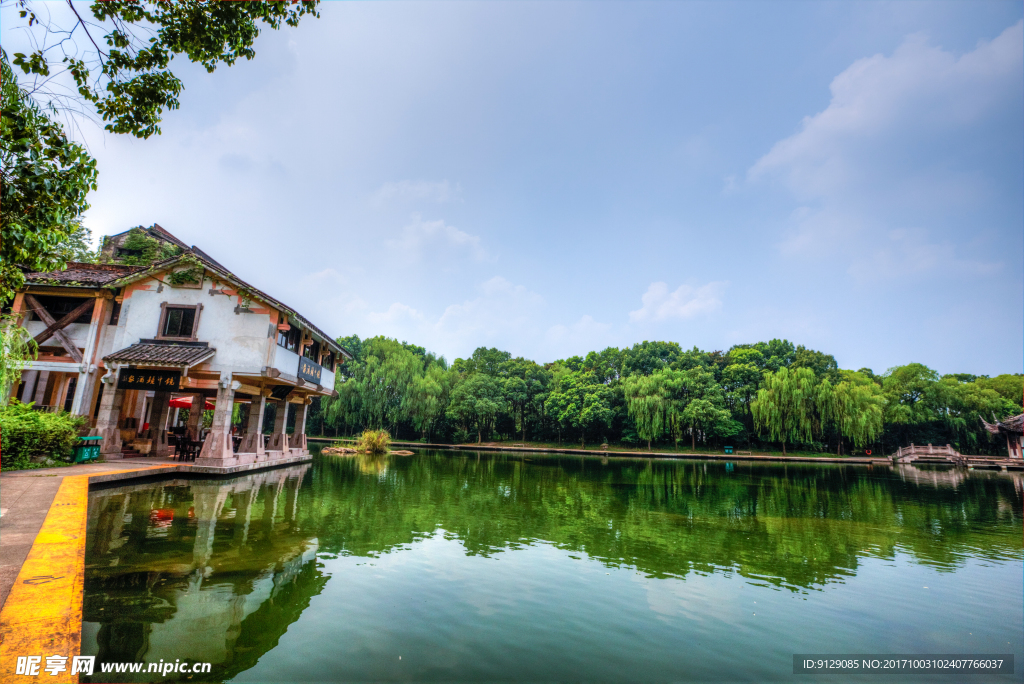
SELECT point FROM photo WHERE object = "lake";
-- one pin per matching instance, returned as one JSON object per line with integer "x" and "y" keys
{"x": 451, "y": 566}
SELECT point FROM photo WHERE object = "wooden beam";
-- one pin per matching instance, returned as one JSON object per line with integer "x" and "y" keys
{"x": 61, "y": 336}
{"x": 65, "y": 321}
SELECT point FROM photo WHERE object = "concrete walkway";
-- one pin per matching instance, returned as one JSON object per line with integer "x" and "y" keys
{"x": 25, "y": 499}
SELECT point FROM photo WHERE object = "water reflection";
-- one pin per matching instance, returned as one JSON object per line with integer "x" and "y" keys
{"x": 211, "y": 570}
{"x": 218, "y": 570}
{"x": 798, "y": 526}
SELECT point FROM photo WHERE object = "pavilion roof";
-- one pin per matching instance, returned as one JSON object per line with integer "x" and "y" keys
{"x": 1013, "y": 425}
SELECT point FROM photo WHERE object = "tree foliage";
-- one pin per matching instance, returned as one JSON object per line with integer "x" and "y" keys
{"x": 580, "y": 401}
{"x": 785, "y": 406}
{"x": 45, "y": 179}
{"x": 27, "y": 433}
{"x": 17, "y": 348}
{"x": 767, "y": 394}
{"x": 112, "y": 63}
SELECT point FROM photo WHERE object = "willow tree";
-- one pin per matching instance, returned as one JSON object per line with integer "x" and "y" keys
{"x": 424, "y": 400}
{"x": 696, "y": 402}
{"x": 372, "y": 388}
{"x": 854, "y": 407}
{"x": 647, "y": 404}
{"x": 785, "y": 405}
{"x": 17, "y": 348}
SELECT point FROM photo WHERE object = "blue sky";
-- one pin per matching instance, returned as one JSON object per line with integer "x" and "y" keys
{"x": 552, "y": 178}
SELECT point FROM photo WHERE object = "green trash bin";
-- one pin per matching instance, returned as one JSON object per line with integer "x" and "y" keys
{"x": 728, "y": 450}
{"x": 87, "y": 449}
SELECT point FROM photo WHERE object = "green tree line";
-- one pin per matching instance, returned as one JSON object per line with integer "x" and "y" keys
{"x": 768, "y": 395}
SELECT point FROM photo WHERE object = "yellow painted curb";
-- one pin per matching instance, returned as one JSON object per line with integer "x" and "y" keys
{"x": 43, "y": 612}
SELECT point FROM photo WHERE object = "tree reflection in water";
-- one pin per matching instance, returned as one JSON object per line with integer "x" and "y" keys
{"x": 218, "y": 569}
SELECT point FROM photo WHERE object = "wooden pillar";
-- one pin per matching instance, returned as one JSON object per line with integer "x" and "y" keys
{"x": 281, "y": 418}
{"x": 140, "y": 410}
{"x": 252, "y": 442}
{"x": 39, "y": 396}
{"x": 158, "y": 424}
{"x": 30, "y": 379}
{"x": 107, "y": 419}
{"x": 279, "y": 438}
{"x": 217, "y": 448}
{"x": 195, "y": 416}
{"x": 256, "y": 410}
{"x": 298, "y": 438}
{"x": 86, "y": 386}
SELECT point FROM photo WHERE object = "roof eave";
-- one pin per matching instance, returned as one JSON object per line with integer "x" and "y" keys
{"x": 227, "y": 275}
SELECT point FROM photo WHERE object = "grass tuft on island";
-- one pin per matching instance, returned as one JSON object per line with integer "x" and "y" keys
{"x": 372, "y": 442}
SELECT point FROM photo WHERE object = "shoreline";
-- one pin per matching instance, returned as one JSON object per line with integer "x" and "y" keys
{"x": 985, "y": 463}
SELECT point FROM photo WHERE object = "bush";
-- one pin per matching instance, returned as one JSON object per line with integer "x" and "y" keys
{"x": 25, "y": 433}
{"x": 374, "y": 442}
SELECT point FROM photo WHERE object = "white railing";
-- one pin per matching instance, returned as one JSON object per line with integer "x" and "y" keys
{"x": 914, "y": 452}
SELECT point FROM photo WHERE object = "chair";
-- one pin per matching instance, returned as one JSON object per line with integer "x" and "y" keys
{"x": 179, "y": 446}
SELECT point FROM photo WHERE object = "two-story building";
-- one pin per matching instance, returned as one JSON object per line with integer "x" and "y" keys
{"x": 118, "y": 343}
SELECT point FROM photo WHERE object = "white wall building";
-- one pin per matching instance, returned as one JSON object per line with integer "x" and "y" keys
{"x": 118, "y": 343}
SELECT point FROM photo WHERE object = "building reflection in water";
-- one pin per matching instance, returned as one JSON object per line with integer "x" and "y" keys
{"x": 204, "y": 570}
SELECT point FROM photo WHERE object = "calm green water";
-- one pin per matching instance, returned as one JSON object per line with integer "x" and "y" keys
{"x": 461, "y": 566}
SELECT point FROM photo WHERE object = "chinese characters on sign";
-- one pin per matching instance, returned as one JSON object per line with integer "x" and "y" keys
{"x": 309, "y": 370}
{"x": 144, "y": 378}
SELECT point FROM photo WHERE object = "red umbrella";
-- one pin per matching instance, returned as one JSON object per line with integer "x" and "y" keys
{"x": 186, "y": 403}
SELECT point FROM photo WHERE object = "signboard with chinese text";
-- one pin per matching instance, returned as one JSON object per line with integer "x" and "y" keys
{"x": 147, "y": 379}
{"x": 309, "y": 371}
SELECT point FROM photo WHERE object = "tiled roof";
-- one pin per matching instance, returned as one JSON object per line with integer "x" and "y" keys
{"x": 97, "y": 275}
{"x": 84, "y": 275}
{"x": 162, "y": 354}
{"x": 228, "y": 275}
{"x": 1012, "y": 425}
{"x": 156, "y": 230}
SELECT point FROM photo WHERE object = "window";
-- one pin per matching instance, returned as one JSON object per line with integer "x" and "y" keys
{"x": 179, "y": 322}
{"x": 289, "y": 339}
{"x": 328, "y": 361}
{"x": 312, "y": 352}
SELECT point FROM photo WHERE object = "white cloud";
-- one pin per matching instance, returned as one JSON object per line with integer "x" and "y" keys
{"x": 685, "y": 302}
{"x": 878, "y": 101}
{"x": 584, "y": 334}
{"x": 410, "y": 191}
{"x": 501, "y": 313}
{"x": 889, "y": 174}
{"x": 501, "y": 310}
{"x": 909, "y": 252}
{"x": 438, "y": 238}
{"x": 396, "y": 313}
